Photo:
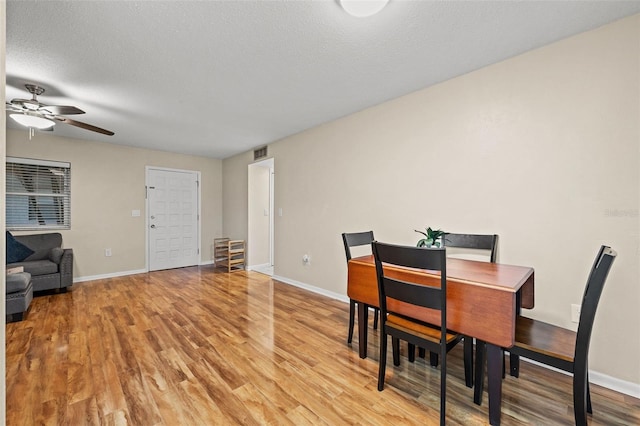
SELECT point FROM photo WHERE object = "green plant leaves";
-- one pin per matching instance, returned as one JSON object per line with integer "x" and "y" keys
{"x": 431, "y": 237}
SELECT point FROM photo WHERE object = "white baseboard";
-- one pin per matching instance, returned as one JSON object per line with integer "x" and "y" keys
{"x": 627, "y": 388}
{"x": 621, "y": 386}
{"x": 313, "y": 289}
{"x": 110, "y": 275}
{"x": 258, "y": 267}
{"x": 122, "y": 274}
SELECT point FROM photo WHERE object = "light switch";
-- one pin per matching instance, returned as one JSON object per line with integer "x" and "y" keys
{"x": 135, "y": 213}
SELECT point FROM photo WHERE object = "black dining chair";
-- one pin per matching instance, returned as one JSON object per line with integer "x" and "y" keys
{"x": 487, "y": 243}
{"x": 565, "y": 349}
{"x": 399, "y": 327}
{"x": 356, "y": 239}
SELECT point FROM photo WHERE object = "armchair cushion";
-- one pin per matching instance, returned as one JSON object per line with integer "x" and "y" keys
{"x": 41, "y": 244}
{"x": 16, "y": 251}
{"x": 38, "y": 267}
{"x": 55, "y": 255}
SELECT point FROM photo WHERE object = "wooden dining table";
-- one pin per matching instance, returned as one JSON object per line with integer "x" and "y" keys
{"x": 483, "y": 300}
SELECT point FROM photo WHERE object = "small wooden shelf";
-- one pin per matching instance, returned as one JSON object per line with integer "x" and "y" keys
{"x": 229, "y": 254}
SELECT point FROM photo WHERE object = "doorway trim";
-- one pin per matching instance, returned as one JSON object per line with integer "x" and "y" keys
{"x": 251, "y": 265}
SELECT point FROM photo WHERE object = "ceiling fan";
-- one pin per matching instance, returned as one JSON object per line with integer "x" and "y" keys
{"x": 35, "y": 114}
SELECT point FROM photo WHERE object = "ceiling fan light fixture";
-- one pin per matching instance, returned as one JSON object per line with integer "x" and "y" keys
{"x": 34, "y": 121}
{"x": 363, "y": 8}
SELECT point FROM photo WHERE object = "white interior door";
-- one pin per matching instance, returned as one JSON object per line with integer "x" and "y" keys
{"x": 173, "y": 232}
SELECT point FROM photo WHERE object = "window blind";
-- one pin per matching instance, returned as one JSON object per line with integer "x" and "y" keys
{"x": 38, "y": 194}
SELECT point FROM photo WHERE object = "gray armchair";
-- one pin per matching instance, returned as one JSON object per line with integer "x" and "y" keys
{"x": 50, "y": 266}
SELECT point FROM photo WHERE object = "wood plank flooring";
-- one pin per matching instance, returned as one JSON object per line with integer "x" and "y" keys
{"x": 194, "y": 346}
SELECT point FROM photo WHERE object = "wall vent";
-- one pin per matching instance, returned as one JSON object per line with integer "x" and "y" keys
{"x": 260, "y": 153}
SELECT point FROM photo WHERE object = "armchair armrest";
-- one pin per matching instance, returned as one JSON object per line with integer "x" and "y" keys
{"x": 66, "y": 268}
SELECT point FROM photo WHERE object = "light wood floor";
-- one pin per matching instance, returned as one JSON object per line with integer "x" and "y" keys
{"x": 194, "y": 347}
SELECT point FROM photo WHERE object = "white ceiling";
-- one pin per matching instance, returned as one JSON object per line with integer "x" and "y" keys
{"x": 216, "y": 78}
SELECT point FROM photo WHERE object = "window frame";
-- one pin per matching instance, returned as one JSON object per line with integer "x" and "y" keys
{"x": 47, "y": 206}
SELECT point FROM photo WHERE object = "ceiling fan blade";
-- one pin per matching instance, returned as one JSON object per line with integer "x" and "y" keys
{"x": 83, "y": 125}
{"x": 61, "y": 109}
{"x": 19, "y": 101}
{"x": 12, "y": 108}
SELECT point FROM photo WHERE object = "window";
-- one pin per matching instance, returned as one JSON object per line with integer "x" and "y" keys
{"x": 38, "y": 194}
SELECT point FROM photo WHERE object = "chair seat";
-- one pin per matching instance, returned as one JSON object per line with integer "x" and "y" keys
{"x": 37, "y": 267}
{"x": 423, "y": 330}
{"x": 546, "y": 339}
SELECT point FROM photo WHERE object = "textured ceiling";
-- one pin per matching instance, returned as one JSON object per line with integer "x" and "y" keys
{"x": 216, "y": 78}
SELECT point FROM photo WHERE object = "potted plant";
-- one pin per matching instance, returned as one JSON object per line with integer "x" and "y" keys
{"x": 433, "y": 238}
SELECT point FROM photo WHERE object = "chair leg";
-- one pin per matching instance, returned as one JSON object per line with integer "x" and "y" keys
{"x": 468, "y": 361}
{"x": 443, "y": 387}
{"x": 411, "y": 352}
{"x": 514, "y": 365}
{"x": 589, "y": 409}
{"x": 376, "y": 314}
{"x": 580, "y": 404}
{"x": 433, "y": 358}
{"x": 395, "y": 347}
{"x": 382, "y": 363}
{"x": 352, "y": 316}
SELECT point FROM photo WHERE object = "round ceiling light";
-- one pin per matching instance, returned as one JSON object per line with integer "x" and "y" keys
{"x": 34, "y": 121}
{"x": 363, "y": 8}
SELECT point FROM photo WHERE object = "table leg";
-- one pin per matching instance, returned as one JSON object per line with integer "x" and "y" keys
{"x": 479, "y": 379}
{"x": 494, "y": 373}
{"x": 514, "y": 360}
{"x": 363, "y": 320}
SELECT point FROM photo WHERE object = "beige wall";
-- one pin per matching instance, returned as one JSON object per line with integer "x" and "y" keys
{"x": 107, "y": 183}
{"x": 235, "y": 196}
{"x": 258, "y": 204}
{"x": 542, "y": 149}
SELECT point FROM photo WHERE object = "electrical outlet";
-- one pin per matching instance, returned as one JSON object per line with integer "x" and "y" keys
{"x": 575, "y": 313}
{"x": 107, "y": 252}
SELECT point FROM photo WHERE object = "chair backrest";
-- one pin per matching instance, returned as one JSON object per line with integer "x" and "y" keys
{"x": 355, "y": 239}
{"x": 590, "y": 299}
{"x": 434, "y": 259}
{"x": 473, "y": 241}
